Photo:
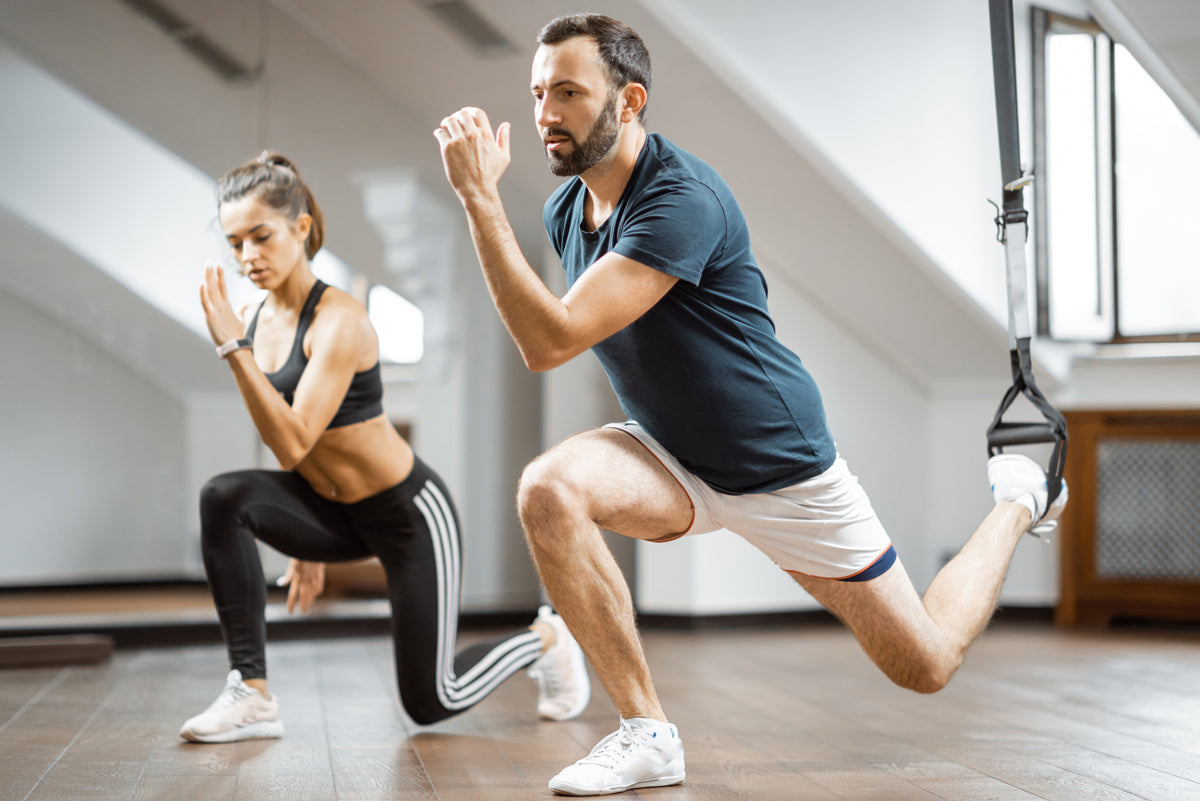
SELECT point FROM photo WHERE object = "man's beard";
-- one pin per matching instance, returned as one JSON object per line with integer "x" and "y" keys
{"x": 587, "y": 154}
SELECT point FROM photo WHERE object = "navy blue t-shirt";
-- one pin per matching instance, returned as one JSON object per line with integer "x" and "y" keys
{"x": 701, "y": 371}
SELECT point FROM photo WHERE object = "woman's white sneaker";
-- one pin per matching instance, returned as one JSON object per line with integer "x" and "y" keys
{"x": 642, "y": 753}
{"x": 239, "y": 713}
{"x": 564, "y": 688}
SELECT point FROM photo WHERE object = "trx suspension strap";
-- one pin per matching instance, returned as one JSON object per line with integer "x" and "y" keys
{"x": 1012, "y": 231}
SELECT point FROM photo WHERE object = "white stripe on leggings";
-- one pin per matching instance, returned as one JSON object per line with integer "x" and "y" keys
{"x": 460, "y": 692}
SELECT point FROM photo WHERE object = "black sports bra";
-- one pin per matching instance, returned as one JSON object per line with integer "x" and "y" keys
{"x": 364, "y": 398}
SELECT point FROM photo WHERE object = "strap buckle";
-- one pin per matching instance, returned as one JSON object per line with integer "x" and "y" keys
{"x": 1019, "y": 184}
{"x": 1014, "y": 210}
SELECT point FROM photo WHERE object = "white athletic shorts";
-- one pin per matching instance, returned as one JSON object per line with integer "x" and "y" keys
{"x": 822, "y": 527}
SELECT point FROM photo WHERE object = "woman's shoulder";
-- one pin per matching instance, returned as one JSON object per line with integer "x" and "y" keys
{"x": 335, "y": 302}
{"x": 341, "y": 311}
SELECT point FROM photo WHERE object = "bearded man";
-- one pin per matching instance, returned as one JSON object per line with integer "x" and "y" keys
{"x": 726, "y": 427}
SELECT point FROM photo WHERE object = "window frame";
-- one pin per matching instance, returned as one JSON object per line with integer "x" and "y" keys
{"x": 1044, "y": 23}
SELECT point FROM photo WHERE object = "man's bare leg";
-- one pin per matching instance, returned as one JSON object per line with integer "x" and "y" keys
{"x": 919, "y": 643}
{"x": 597, "y": 480}
{"x": 963, "y": 595}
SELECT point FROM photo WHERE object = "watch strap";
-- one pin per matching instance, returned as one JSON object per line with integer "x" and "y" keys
{"x": 232, "y": 345}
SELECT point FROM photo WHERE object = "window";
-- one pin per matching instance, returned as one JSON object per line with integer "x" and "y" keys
{"x": 1117, "y": 164}
{"x": 399, "y": 324}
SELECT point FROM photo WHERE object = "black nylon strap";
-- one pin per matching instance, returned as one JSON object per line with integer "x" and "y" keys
{"x": 1004, "y": 69}
{"x": 1054, "y": 429}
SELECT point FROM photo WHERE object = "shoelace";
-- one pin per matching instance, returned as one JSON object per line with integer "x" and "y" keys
{"x": 614, "y": 750}
{"x": 231, "y": 695}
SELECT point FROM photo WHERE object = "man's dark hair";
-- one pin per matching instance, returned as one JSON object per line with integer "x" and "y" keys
{"x": 622, "y": 52}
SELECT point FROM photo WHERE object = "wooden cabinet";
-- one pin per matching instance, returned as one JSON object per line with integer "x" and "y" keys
{"x": 1130, "y": 536}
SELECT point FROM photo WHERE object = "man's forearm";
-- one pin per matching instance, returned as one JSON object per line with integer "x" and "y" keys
{"x": 535, "y": 318}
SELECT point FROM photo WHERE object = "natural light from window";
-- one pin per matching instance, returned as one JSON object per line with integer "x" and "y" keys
{"x": 1118, "y": 169}
{"x": 1158, "y": 172}
{"x": 1071, "y": 190}
{"x": 399, "y": 324}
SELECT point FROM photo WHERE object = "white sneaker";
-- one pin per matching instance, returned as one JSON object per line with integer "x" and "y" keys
{"x": 1015, "y": 477}
{"x": 642, "y": 753}
{"x": 239, "y": 713}
{"x": 564, "y": 688}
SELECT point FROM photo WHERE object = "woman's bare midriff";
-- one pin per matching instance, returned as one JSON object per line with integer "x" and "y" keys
{"x": 357, "y": 461}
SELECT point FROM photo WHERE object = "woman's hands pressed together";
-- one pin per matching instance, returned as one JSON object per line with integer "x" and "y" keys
{"x": 223, "y": 323}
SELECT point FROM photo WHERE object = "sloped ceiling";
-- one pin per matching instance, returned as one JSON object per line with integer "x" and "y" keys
{"x": 1172, "y": 30}
{"x": 61, "y": 286}
{"x": 356, "y": 89}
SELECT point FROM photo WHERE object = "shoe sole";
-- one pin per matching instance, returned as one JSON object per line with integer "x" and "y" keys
{"x": 665, "y": 781}
{"x": 570, "y": 714}
{"x": 262, "y": 730}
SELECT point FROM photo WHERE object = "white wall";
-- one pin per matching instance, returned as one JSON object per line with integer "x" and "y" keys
{"x": 898, "y": 97}
{"x": 474, "y": 415}
{"x": 218, "y": 437}
{"x": 891, "y": 102}
{"x": 501, "y": 428}
{"x": 93, "y": 467}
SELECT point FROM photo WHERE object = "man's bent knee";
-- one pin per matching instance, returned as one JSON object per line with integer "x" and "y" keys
{"x": 544, "y": 496}
{"x": 926, "y": 675}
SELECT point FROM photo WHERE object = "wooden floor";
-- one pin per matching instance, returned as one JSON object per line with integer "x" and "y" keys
{"x": 783, "y": 713}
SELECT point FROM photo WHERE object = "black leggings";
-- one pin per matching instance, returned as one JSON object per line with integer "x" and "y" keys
{"x": 412, "y": 528}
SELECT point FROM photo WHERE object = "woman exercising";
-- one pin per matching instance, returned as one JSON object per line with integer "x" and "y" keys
{"x": 307, "y": 366}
